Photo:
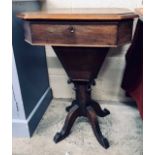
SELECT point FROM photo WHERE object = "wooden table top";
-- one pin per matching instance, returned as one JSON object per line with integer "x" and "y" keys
{"x": 80, "y": 14}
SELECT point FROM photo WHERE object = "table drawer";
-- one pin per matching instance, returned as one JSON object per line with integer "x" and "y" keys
{"x": 77, "y": 34}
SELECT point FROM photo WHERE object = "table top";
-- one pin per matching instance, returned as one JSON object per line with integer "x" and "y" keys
{"x": 80, "y": 14}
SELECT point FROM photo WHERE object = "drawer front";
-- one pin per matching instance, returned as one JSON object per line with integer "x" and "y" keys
{"x": 71, "y": 34}
{"x": 85, "y": 35}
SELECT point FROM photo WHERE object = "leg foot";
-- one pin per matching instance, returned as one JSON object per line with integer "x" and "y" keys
{"x": 95, "y": 126}
{"x": 69, "y": 107}
{"x": 98, "y": 110}
{"x": 58, "y": 136}
{"x": 71, "y": 117}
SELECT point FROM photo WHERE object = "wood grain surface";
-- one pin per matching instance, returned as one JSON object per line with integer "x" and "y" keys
{"x": 80, "y": 14}
{"x": 93, "y": 34}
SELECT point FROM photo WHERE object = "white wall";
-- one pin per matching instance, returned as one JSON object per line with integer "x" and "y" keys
{"x": 110, "y": 76}
{"x": 93, "y": 3}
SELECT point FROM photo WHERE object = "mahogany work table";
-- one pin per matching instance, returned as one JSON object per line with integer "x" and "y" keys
{"x": 81, "y": 39}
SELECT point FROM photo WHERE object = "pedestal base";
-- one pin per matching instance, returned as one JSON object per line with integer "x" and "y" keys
{"x": 82, "y": 65}
{"x": 83, "y": 106}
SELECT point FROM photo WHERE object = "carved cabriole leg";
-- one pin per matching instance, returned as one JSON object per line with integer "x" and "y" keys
{"x": 95, "y": 126}
{"x": 98, "y": 110}
{"x": 74, "y": 102}
{"x": 71, "y": 117}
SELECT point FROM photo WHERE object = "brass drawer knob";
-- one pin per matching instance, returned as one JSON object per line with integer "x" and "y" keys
{"x": 50, "y": 30}
{"x": 71, "y": 29}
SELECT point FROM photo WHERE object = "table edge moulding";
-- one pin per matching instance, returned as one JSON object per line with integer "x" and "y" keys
{"x": 81, "y": 39}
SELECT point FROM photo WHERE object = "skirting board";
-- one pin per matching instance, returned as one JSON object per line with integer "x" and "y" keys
{"x": 26, "y": 128}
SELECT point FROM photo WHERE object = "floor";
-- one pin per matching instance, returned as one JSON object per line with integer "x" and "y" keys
{"x": 123, "y": 127}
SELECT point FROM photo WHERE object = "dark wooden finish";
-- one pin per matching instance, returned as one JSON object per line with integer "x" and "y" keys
{"x": 96, "y": 107}
{"x": 91, "y": 114}
{"x": 82, "y": 66}
{"x": 71, "y": 117}
{"x": 98, "y": 110}
{"x": 90, "y": 34}
{"x": 81, "y": 63}
{"x": 81, "y": 39}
